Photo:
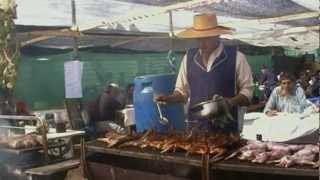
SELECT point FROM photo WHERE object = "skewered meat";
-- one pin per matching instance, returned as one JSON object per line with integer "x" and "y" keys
{"x": 256, "y": 145}
{"x": 3, "y": 140}
{"x": 26, "y": 141}
{"x": 277, "y": 151}
{"x": 16, "y": 143}
{"x": 138, "y": 142}
{"x": 270, "y": 152}
{"x": 215, "y": 145}
{"x": 249, "y": 154}
{"x": 295, "y": 148}
{"x": 305, "y": 156}
{"x": 113, "y": 139}
{"x": 253, "y": 150}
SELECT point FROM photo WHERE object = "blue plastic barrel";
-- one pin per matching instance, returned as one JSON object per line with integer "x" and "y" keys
{"x": 146, "y": 113}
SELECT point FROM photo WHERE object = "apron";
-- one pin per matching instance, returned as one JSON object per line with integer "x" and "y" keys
{"x": 219, "y": 80}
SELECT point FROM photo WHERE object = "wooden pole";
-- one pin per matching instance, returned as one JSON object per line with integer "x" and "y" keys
{"x": 74, "y": 26}
{"x": 172, "y": 36}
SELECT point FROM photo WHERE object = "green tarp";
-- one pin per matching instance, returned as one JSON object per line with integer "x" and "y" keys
{"x": 40, "y": 82}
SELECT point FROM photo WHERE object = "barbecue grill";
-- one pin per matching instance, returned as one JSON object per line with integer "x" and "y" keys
{"x": 132, "y": 154}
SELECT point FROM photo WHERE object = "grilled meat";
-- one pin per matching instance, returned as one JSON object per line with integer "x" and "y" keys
{"x": 216, "y": 146}
{"x": 25, "y": 141}
{"x": 113, "y": 138}
{"x": 3, "y": 140}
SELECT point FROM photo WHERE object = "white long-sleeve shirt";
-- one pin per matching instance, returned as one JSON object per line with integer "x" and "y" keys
{"x": 295, "y": 103}
{"x": 244, "y": 80}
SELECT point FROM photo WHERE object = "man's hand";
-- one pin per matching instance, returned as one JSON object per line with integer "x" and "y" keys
{"x": 176, "y": 97}
{"x": 271, "y": 113}
{"x": 238, "y": 100}
{"x": 162, "y": 99}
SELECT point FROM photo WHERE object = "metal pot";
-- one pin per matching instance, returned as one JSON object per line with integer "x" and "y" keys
{"x": 207, "y": 109}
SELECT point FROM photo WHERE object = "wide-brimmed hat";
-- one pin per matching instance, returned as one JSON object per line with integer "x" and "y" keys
{"x": 205, "y": 25}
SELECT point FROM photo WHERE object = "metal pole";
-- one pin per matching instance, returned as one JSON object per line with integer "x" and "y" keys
{"x": 74, "y": 24}
{"x": 171, "y": 55}
{"x": 171, "y": 31}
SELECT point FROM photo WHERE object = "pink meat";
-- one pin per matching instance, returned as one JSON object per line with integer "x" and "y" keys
{"x": 305, "y": 156}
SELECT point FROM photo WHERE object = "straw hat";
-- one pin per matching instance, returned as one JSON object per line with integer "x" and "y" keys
{"x": 205, "y": 25}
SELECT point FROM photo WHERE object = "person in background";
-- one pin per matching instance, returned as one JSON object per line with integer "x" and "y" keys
{"x": 128, "y": 112}
{"x": 211, "y": 69}
{"x": 111, "y": 100}
{"x": 21, "y": 109}
{"x": 279, "y": 75}
{"x": 129, "y": 94}
{"x": 268, "y": 79}
{"x": 313, "y": 90}
{"x": 287, "y": 98}
{"x": 303, "y": 81}
{"x": 104, "y": 111}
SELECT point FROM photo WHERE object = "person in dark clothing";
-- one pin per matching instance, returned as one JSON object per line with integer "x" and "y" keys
{"x": 313, "y": 90}
{"x": 109, "y": 103}
{"x": 303, "y": 81}
{"x": 268, "y": 79}
{"x": 129, "y": 94}
{"x": 93, "y": 110}
{"x": 129, "y": 104}
{"x": 102, "y": 112}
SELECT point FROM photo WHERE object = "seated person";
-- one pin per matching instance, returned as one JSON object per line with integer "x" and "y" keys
{"x": 129, "y": 94}
{"x": 287, "y": 98}
{"x": 111, "y": 100}
{"x": 313, "y": 90}
{"x": 103, "y": 111}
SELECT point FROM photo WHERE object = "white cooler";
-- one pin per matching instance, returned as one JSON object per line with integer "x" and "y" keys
{"x": 128, "y": 113}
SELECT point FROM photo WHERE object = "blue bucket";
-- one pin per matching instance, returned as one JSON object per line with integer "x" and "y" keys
{"x": 146, "y": 113}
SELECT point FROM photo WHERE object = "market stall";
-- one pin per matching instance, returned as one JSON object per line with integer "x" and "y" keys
{"x": 23, "y": 148}
{"x": 155, "y": 164}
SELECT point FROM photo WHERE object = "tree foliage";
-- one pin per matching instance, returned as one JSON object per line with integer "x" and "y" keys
{"x": 9, "y": 49}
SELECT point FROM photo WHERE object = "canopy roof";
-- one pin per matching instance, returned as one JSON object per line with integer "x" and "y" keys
{"x": 286, "y": 23}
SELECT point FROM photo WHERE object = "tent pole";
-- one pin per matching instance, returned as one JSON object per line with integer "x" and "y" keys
{"x": 171, "y": 31}
{"x": 171, "y": 55}
{"x": 74, "y": 24}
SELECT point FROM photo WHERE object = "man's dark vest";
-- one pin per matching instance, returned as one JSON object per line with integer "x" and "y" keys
{"x": 220, "y": 80}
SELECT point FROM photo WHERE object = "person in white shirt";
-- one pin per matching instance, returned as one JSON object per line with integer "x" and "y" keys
{"x": 287, "y": 97}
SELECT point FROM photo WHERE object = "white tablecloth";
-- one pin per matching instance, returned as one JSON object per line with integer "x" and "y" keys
{"x": 281, "y": 128}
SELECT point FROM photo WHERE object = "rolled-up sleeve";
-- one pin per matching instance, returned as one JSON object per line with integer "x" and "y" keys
{"x": 272, "y": 101}
{"x": 244, "y": 76}
{"x": 182, "y": 85}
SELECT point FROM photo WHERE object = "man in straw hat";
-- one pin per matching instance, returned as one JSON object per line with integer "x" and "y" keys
{"x": 211, "y": 69}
